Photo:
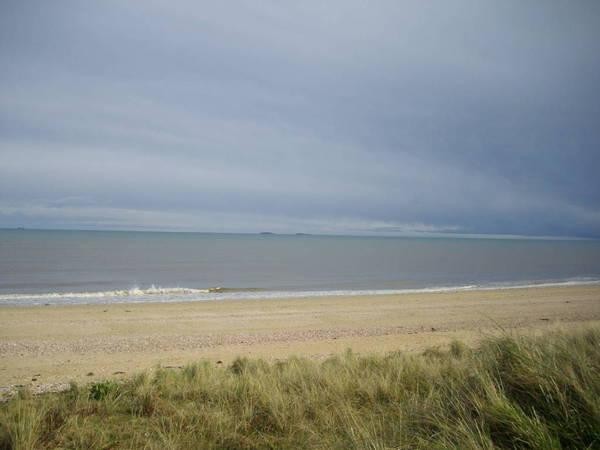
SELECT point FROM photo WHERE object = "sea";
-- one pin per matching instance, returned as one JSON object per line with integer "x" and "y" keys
{"x": 41, "y": 267}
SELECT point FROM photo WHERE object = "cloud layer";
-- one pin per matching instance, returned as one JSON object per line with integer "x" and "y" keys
{"x": 344, "y": 117}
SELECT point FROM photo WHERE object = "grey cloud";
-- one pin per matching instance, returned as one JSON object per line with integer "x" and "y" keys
{"x": 471, "y": 117}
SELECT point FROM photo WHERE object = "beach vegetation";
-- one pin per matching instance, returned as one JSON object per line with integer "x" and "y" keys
{"x": 509, "y": 392}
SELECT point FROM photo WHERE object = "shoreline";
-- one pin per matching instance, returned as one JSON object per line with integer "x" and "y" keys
{"x": 216, "y": 294}
{"x": 40, "y": 347}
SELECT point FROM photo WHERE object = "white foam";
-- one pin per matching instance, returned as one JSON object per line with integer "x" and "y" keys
{"x": 133, "y": 292}
{"x": 155, "y": 294}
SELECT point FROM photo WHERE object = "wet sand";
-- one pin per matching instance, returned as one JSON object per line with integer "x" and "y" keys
{"x": 41, "y": 347}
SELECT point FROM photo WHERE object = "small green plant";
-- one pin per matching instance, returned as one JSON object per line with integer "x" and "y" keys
{"x": 102, "y": 389}
{"x": 458, "y": 349}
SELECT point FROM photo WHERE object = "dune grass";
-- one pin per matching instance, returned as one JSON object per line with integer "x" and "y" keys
{"x": 510, "y": 392}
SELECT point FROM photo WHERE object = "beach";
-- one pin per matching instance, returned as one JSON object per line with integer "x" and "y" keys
{"x": 46, "y": 347}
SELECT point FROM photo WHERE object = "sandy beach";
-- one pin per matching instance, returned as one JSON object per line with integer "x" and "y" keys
{"x": 43, "y": 347}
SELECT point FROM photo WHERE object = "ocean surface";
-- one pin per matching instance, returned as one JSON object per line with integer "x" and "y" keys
{"x": 71, "y": 267}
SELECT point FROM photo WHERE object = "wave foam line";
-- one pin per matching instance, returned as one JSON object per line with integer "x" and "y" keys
{"x": 426, "y": 290}
{"x": 155, "y": 294}
{"x": 133, "y": 292}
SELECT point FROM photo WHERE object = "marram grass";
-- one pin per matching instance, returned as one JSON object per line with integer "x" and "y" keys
{"x": 510, "y": 392}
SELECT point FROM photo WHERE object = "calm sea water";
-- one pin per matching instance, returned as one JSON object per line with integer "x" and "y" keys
{"x": 57, "y": 267}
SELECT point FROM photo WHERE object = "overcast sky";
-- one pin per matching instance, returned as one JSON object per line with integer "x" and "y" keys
{"x": 337, "y": 117}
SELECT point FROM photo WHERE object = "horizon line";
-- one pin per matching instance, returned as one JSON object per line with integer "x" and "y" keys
{"x": 407, "y": 235}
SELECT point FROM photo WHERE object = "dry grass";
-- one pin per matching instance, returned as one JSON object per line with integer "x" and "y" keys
{"x": 511, "y": 392}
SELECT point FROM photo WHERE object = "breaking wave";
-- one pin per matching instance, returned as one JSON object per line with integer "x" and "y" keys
{"x": 133, "y": 292}
{"x": 155, "y": 294}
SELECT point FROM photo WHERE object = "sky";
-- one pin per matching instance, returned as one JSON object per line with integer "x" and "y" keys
{"x": 351, "y": 117}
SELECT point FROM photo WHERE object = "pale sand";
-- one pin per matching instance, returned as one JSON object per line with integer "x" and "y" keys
{"x": 55, "y": 344}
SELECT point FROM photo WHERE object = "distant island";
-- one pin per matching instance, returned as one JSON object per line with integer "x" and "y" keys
{"x": 270, "y": 233}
